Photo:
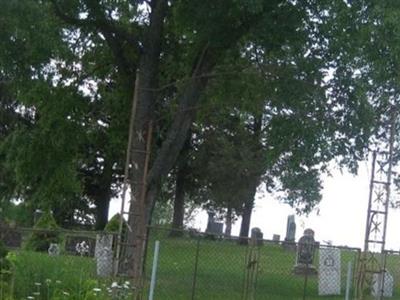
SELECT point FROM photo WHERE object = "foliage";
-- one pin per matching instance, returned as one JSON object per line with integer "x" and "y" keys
{"x": 41, "y": 240}
{"x": 113, "y": 223}
{"x": 5, "y": 271}
{"x": 17, "y": 214}
{"x": 255, "y": 71}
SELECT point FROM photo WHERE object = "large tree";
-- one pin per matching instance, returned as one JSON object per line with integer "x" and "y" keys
{"x": 76, "y": 62}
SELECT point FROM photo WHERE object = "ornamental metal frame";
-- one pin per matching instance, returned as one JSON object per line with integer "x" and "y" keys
{"x": 372, "y": 263}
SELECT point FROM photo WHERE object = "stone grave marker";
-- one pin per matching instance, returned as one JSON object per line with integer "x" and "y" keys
{"x": 103, "y": 241}
{"x": 387, "y": 285}
{"x": 72, "y": 244}
{"x": 11, "y": 237}
{"x": 329, "y": 272}
{"x": 54, "y": 249}
{"x": 276, "y": 238}
{"x": 257, "y": 236}
{"x": 213, "y": 227}
{"x": 290, "y": 229}
{"x": 305, "y": 254}
{"x": 36, "y": 215}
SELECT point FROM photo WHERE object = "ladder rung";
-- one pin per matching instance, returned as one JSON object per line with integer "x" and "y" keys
{"x": 140, "y": 151}
{"x": 372, "y": 241}
{"x": 378, "y": 211}
{"x": 380, "y": 182}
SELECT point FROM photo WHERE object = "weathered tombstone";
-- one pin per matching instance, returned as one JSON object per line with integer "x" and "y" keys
{"x": 257, "y": 236}
{"x": 290, "y": 229}
{"x": 276, "y": 238}
{"x": 36, "y": 215}
{"x": 387, "y": 285}
{"x": 75, "y": 243}
{"x": 104, "y": 262}
{"x": 211, "y": 217}
{"x": 54, "y": 249}
{"x": 305, "y": 254}
{"x": 10, "y": 236}
{"x": 213, "y": 227}
{"x": 329, "y": 272}
{"x": 103, "y": 241}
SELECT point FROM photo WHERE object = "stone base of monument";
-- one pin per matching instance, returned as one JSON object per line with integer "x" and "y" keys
{"x": 289, "y": 245}
{"x": 302, "y": 269}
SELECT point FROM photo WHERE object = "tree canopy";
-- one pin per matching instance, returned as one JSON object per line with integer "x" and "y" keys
{"x": 261, "y": 91}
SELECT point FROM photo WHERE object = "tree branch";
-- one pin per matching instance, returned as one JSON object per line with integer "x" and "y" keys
{"x": 101, "y": 23}
{"x": 183, "y": 120}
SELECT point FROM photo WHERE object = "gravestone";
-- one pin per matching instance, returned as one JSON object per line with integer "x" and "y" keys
{"x": 290, "y": 229}
{"x": 213, "y": 227}
{"x": 305, "y": 254}
{"x": 276, "y": 238}
{"x": 36, "y": 215}
{"x": 103, "y": 241}
{"x": 329, "y": 272}
{"x": 11, "y": 237}
{"x": 104, "y": 262}
{"x": 387, "y": 285}
{"x": 54, "y": 249}
{"x": 74, "y": 243}
{"x": 257, "y": 236}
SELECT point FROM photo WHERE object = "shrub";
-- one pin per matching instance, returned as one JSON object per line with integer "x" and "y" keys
{"x": 41, "y": 240}
{"x": 5, "y": 271}
{"x": 113, "y": 225}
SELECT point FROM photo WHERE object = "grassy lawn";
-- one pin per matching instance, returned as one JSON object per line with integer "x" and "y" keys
{"x": 221, "y": 269}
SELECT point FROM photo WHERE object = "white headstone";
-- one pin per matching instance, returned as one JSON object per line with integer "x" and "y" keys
{"x": 103, "y": 241}
{"x": 329, "y": 272}
{"x": 54, "y": 249}
{"x": 387, "y": 285}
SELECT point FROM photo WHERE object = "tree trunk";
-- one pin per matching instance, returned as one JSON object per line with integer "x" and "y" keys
{"x": 247, "y": 210}
{"x": 245, "y": 225}
{"x": 179, "y": 203}
{"x": 102, "y": 203}
{"x": 142, "y": 192}
{"x": 228, "y": 222}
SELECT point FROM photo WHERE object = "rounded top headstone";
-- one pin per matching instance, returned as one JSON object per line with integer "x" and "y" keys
{"x": 309, "y": 232}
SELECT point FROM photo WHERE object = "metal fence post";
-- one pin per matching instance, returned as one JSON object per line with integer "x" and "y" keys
{"x": 154, "y": 270}
{"x": 196, "y": 262}
{"x": 348, "y": 280}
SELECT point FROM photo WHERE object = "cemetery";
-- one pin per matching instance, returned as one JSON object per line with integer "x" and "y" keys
{"x": 177, "y": 149}
{"x": 193, "y": 267}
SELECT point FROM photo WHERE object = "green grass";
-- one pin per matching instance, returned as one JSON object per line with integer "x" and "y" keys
{"x": 221, "y": 271}
{"x": 49, "y": 275}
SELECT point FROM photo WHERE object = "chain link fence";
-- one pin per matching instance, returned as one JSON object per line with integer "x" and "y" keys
{"x": 191, "y": 265}
{"x": 57, "y": 264}
{"x": 201, "y": 266}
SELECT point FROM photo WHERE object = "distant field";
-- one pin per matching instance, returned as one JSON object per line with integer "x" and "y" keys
{"x": 220, "y": 273}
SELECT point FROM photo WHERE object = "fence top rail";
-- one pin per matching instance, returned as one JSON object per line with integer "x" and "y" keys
{"x": 58, "y": 230}
{"x": 197, "y": 233}
{"x": 395, "y": 252}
